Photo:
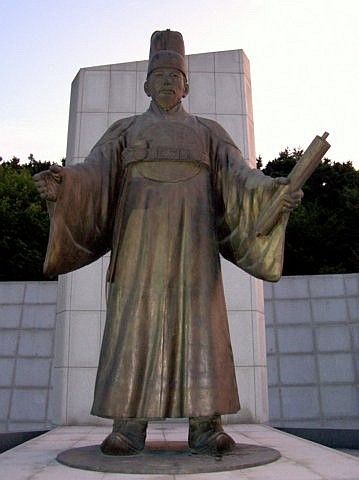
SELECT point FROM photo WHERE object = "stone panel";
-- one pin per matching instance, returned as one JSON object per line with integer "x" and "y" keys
{"x": 330, "y": 310}
{"x": 293, "y": 287}
{"x": 202, "y": 97}
{"x": 336, "y": 367}
{"x": 333, "y": 338}
{"x": 351, "y": 282}
{"x": 62, "y": 336}
{"x": 32, "y": 372}
{"x": 355, "y": 333}
{"x": 240, "y": 324}
{"x": 269, "y": 313}
{"x": 28, "y": 405}
{"x": 236, "y": 287}
{"x": 5, "y": 395}
{"x": 247, "y": 97}
{"x": 229, "y": 94}
{"x": 293, "y": 339}
{"x": 271, "y": 341}
{"x": 297, "y": 369}
{"x": 8, "y": 342}
{"x": 257, "y": 298}
{"x": 73, "y": 139}
{"x": 321, "y": 285}
{"x": 80, "y": 397}
{"x": 292, "y": 311}
{"x": 36, "y": 343}
{"x": 340, "y": 400}
{"x": 228, "y": 61}
{"x": 84, "y": 331}
{"x": 272, "y": 366}
{"x": 123, "y": 81}
{"x": 353, "y": 307}
{"x": 123, "y": 67}
{"x": 96, "y": 91}
{"x": 246, "y": 389}
{"x": 12, "y": 292}
{"x": 86, "y": 287}
{"x": 38, "y": 316}
{"x": 6, "y": 371}
{"x": 274, "y": 403}
{"x": 259, "y": 339}
{"x": 59, "y": 395}
{"x": 300, "y": 402}
{"x": 10, "y": 315}
{"x": 202, "y": 62}
{"x": 261, "y": 394}
{"x": 93, "y": 125}
{"x": 40, "y": 292}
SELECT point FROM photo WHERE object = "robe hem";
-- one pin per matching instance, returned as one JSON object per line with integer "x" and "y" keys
{"x": 154, "y": 418}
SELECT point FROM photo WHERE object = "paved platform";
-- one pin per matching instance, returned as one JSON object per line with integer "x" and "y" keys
{"x": 301, "y": 459}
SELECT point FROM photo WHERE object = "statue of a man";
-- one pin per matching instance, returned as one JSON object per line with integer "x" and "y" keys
{"x": 166, "y": 192}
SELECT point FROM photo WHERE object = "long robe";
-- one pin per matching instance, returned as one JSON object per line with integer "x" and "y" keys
{"x": 166, "y": 193}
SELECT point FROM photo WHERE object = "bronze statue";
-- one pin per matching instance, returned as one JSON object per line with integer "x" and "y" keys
{"x": 166, "y": 192}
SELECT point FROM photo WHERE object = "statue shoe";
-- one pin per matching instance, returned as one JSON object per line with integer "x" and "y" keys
{"x": 206, "y": 436}
{"x": 127, "y": 438}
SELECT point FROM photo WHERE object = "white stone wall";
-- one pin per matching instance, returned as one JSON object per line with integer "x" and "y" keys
{"x": 27, "y": 319}
{"x": 312, "y": 328}
{"x": 220, "y": 89}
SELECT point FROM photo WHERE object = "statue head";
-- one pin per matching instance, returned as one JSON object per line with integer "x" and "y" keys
{"x": 166, "y": 80}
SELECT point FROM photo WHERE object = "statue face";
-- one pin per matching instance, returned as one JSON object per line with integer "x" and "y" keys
{"x": 166, "y": 87}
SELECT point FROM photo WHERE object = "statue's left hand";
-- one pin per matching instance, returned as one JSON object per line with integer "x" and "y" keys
{"x": 290, "y": 200}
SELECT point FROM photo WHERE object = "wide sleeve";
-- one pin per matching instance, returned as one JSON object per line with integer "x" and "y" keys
{"x": 81, "y": 220}
{"x": 241, "y": 194}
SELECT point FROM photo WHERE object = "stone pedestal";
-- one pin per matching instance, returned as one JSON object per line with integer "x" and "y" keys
{"x": 220, "y": 89}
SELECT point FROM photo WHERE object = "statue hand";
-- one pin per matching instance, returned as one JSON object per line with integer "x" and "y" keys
{"x": 290, "y": 200}
{"x": 48, "y": 181}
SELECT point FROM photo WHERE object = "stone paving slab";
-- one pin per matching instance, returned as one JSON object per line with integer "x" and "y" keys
{"x": 301, "y": 459}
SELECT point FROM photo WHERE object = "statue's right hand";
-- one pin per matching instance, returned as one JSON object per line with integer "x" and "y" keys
{"x": 48, "y": 181}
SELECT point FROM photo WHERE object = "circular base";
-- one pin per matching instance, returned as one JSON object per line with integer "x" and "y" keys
{"x": 167, "y": 458}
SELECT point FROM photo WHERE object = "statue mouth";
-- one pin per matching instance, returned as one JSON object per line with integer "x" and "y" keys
{"x": 167, "y": 91}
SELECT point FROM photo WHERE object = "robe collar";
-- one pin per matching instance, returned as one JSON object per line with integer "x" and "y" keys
{"x": 175, "y": 112}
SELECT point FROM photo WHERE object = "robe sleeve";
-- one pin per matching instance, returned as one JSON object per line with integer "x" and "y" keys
{"x": 242, "y": 193}
{"x": 81, "y": 220}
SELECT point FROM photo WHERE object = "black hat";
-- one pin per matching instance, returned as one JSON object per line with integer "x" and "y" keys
{"x": 167, "y": 51}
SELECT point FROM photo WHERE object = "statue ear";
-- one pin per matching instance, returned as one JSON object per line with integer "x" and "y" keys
{"x": 146, "y": 88}
{"x": 186, "y": 90}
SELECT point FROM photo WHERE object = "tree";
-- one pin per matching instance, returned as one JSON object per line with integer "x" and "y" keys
{"x": 322, "y": 234}
{"x": 24, "y": 223}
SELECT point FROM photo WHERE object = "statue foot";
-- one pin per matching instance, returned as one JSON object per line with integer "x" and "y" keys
{"x": 127, "y": 438}
{"x": 206, "y": 436}
{"x": 118, "y": 444}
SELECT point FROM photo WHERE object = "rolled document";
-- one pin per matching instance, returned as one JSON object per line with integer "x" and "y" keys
{"x": 298, "y": 176}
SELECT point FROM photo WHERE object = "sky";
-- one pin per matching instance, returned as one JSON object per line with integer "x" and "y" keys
{"x": 304, "y": 57}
